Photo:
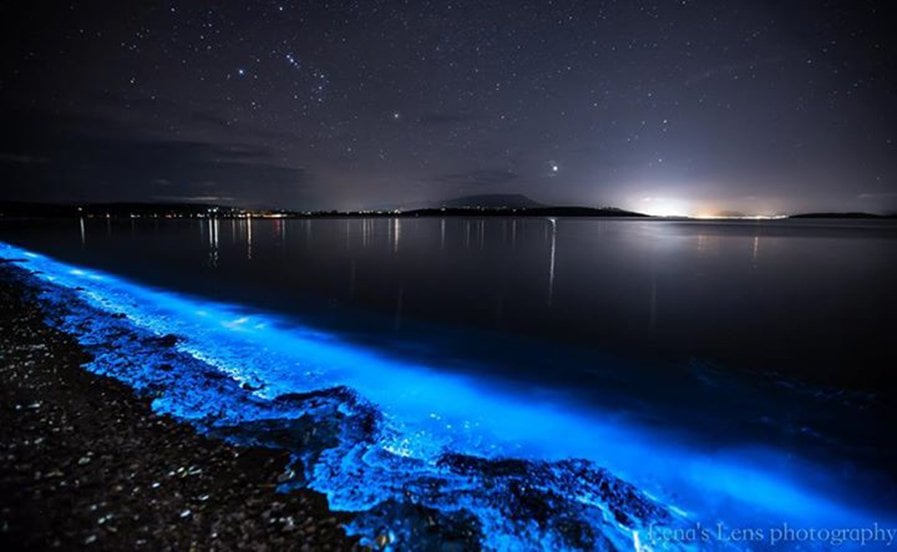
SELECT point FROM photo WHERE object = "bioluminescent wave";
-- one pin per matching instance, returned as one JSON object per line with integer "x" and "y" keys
{"x": 423, "y": 455}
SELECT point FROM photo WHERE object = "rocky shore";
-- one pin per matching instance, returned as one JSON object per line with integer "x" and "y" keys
{"x": 86, "y": 463}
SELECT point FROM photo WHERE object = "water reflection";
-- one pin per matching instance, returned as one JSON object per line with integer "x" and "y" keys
{"x": 280, "y": 231}
{"x": 307, "y": 224}
{"x": 553, "y": 223}
{"x": 820, "y": 302}
{"x": 755, "y": 250}
{"x": 213, "y": 225}
{"x": 396, "y": 234}
{"x": 365, "y": 232}
{"x": 249, "y": 239}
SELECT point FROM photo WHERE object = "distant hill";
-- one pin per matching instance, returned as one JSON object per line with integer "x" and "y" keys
{"x": 516, "y": 204}
{"x": 546, "y": 211}
{"x": 491, "y": 201}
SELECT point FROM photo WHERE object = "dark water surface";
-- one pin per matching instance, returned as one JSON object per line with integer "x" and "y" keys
{"x": 809, "y": 298}
{"x": 720, "y": 335}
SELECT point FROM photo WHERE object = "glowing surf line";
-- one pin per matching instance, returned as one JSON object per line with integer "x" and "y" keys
{"x": 434, "y": 411}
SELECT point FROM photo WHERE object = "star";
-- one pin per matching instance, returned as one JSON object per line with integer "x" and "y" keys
{"x": 454, "y": 101}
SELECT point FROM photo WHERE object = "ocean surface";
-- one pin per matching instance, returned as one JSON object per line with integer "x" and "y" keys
{"x": 518, "y": 382}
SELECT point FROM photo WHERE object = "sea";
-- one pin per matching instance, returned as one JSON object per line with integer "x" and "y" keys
{"x": 515, "y": 383}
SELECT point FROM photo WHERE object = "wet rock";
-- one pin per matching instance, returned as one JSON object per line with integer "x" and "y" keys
{"x": 403, "y": 525}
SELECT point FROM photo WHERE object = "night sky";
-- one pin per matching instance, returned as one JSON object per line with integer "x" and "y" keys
{"x": 662, "y": 107}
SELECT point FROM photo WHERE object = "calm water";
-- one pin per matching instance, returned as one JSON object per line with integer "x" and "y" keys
{"x": 815, "y": 299}
{"x": 718, "y": 335}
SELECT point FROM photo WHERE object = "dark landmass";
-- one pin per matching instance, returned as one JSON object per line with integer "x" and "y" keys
{"x": 181, "y": 210}
{"x": 84, "y": 462}
{"x": 495, "y": 205}
{"x": 562, "y": 211}
{"x": 491, "y": 201}
{"x": 850, "y": 215}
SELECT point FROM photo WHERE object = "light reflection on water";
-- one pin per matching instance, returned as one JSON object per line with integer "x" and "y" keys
{"x": 789, "y": 296}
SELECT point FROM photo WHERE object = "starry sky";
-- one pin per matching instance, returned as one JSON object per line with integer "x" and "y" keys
{"x": 680, "y": 107}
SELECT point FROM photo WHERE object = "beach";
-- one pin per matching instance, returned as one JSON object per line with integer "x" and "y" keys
{"x": 85, "y": 462}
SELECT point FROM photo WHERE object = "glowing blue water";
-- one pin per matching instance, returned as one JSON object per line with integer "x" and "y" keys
{"x": 424, "y": 453}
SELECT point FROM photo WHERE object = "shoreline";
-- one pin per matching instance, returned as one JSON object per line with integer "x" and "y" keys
{"x": 85, "y": 461}
{"x": 186, "y": 356}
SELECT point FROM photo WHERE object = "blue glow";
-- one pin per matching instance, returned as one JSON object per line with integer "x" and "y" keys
{"x": 418, "y": 450}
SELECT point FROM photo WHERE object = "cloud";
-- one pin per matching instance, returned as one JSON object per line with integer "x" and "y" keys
{"x": 91, "y": 159}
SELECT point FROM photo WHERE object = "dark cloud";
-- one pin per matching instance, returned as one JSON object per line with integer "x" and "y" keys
{"x": 93, "y": 161}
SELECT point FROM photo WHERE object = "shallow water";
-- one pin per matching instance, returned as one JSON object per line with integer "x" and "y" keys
{"x": 723, "y": 369}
